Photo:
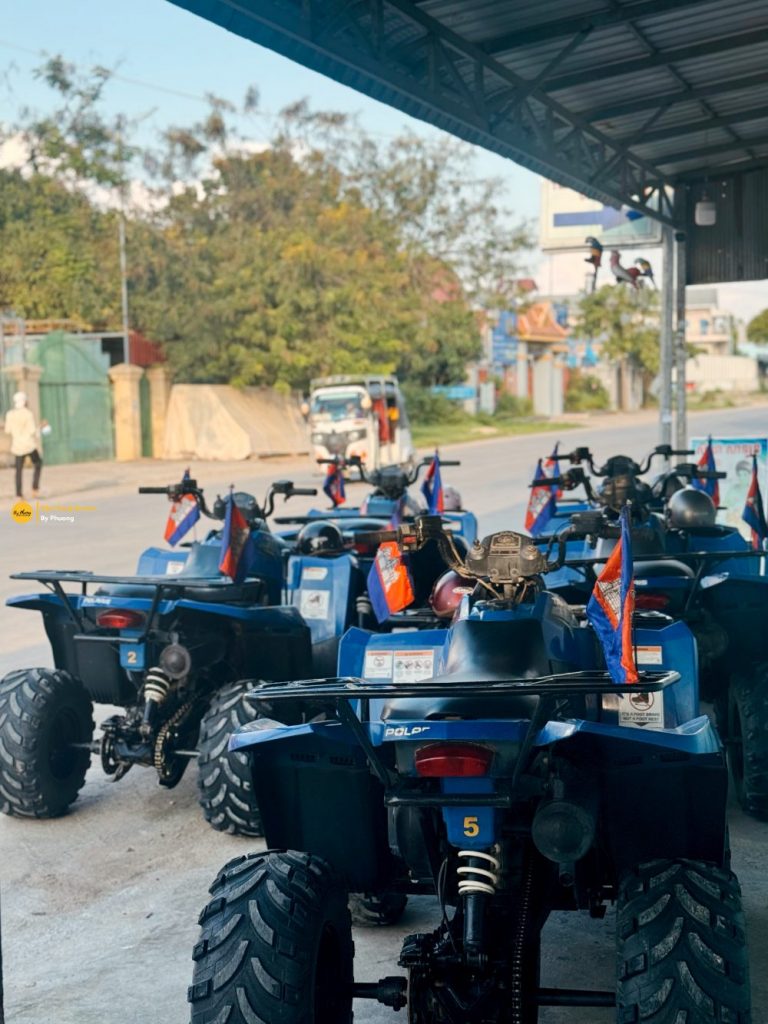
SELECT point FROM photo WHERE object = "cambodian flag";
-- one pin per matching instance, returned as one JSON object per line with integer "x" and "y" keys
{"x": 183, "y": 515}
{"x": 707, "y": 463}
{"x": 237, "y": 549}
{"x": 541, "y": 504}
{"x": 390, "y": 586}
{"x": 611, "y": 606}
{"x": 754, "y": 514}
{"x": 432, "y": 487}
{"x": 334, "y": 485}
{"x": 552, "y": 469}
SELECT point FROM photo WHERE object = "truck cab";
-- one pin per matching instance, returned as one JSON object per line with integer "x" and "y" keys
{"x": 359, "y": 416}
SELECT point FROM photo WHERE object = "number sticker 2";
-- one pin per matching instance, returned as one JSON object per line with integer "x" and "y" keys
{"x": 471, "y": 827}
{"x": 132, "y": 657}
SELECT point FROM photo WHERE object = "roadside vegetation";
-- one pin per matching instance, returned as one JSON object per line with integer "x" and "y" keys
{"x": 321, "y": 250}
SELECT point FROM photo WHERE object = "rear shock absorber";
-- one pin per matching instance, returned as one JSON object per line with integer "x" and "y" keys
{"x": 478, "y": 877}
{"x": 157, "y": 686}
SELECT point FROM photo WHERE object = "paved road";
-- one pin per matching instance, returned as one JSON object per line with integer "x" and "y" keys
{"x": 100, "y": 907}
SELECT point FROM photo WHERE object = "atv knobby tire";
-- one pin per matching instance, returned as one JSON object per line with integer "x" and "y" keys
{"x": 747, "y": 740}
{"x": 225, "y": 789}
{"x": 276, "y": 944}
{"x": 370, "y": 909}
{"x": 682, "y": 954}
{"x": 43, "y": 715}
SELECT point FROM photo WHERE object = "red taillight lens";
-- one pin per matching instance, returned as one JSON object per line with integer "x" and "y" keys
{"x": 120, "y": 618}
{"x": 452, "y": 760}
{"x": 651, "y": 602}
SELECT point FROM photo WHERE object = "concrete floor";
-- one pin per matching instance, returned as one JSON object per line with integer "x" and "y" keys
{"x": 99, "y": 908}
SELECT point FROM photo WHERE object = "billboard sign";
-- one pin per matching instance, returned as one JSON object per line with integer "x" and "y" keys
{"x": 568, "y": 217}
{"x": 733, "y": 455}
{"x": 504, "y": 339}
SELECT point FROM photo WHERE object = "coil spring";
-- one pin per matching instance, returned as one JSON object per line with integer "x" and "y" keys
{"x": 478, "y": 879}
{"x": 156, "y": 685}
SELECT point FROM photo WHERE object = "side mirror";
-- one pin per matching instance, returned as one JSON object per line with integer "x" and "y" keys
{"x": 304, "y": 409}
{"x": 366, "y": 403}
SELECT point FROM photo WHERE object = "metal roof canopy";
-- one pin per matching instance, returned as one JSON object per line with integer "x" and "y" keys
{"x": 614, "y": 98}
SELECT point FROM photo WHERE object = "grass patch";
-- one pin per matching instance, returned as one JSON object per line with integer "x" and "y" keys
{"x": 430, "y": 435}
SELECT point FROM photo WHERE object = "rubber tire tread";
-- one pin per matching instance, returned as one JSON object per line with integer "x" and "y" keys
{"x": 750, "y": 696}
{"x": 681, "y": 946}
{"x": 224, "y": 783}
{"x": 377, "y": 909}
{"x": 30, "y": 702}
{"x": 256, "y": 958}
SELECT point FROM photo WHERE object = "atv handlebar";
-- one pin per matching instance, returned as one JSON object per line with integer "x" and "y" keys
{"x": 174, "y": 492}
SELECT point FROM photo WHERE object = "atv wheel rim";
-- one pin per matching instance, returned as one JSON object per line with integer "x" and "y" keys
{"x": 329, "y": 979}
{"x": 63, "y": 751}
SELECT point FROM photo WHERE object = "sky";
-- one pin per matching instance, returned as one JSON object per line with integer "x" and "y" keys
{"x": 167, "y": 60}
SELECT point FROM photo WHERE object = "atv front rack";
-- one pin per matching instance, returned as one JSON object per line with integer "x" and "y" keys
{"x": 334, "y": 696}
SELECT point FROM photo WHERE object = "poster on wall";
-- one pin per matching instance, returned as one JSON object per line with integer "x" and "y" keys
{"x": 733, "y": 455}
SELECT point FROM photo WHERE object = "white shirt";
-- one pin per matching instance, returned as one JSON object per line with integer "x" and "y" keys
{"x": 20, "y": 424}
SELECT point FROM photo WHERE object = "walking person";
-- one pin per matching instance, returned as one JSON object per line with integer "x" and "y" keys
{"x": 25, "y": 438}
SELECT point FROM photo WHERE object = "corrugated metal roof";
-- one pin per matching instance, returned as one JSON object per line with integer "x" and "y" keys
{"x": 617, "y": 98}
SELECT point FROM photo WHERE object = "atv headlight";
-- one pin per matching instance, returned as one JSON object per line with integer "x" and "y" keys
{"x": 356, "y": 435}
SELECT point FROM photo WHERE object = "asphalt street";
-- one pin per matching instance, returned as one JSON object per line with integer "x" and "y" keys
{"x": 99, "y": 908}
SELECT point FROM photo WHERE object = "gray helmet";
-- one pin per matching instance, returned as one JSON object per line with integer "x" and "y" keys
{"x": 691, "y": 509}
{"x": 451, "y": 500}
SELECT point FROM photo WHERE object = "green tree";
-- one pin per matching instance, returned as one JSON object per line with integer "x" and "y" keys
{"x": 627, "y": 323}
{"x": 757, "y": 328}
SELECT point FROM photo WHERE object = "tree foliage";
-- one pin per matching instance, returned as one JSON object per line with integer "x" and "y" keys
{"x": 322, "y": 251}
{"x": 757, "y": 328}
{"x": 626, "y": 322}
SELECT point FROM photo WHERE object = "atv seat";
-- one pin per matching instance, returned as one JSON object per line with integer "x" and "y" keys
{"x": 482, "y": 651}
{"x": 663, "y": 568}
{"x": 202, "y": 563}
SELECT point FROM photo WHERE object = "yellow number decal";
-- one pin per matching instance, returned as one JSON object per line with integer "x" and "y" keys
{"x": 471, "y": 828}
{"x": 131, "y": 657}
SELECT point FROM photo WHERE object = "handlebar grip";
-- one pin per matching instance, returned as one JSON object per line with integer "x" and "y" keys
{"x": 376, "y": 536}
{"x": 155, "y": 490}
{"x": 310, "y": 492}
{"x": 326, "y": 462}
{"x": 450, "y": 462}
{"x": 708, "y": 474}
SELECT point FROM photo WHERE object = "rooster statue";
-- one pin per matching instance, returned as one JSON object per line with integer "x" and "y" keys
{"x": 627, "y": 274}
{"x": 595, "y": 256}
{"x": 646, "y": 270}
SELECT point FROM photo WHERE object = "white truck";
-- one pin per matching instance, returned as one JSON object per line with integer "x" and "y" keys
{"x": 363, "y": 416}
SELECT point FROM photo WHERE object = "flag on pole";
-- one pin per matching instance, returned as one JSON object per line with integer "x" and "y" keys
{"x": 432, "y": 487}
{"x": 707, "y": 463}
{"x": 754, "y": 513}
{"x": 334, "y": 485}
{"x": 541, "y": 504}
{"x": 611, "y": 606}
{"x": 183, "y": 515}
{"x": 390, "y": 586}
{"x": 237, "y": 550}
{"x": 552, "y": 469}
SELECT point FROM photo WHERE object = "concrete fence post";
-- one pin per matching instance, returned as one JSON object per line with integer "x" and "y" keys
{"x": 159, "y": 391}
{"x": 126, "y": 410}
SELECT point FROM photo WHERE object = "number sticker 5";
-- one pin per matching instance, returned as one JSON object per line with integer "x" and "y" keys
{"x": 471, "y": 827}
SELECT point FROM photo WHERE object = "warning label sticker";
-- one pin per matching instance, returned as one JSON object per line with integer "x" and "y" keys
{"x": 313, "y": 572}
{"x": 378, "y": 665}
{"x": 648, "y": 655}
{"x": 411, "y": 666}
{"x": 642, "y": 709}
{"x": 173, "y": 568}
{"x": 314, "y": 604}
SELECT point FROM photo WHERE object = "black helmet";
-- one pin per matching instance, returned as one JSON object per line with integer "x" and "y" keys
{"x": 320, "y": 538}
{"x": 691, "y": 509}
{"x": 616, "y": 491}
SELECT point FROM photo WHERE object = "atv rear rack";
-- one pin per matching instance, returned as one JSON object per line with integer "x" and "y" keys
{"x": 336, "y": 695}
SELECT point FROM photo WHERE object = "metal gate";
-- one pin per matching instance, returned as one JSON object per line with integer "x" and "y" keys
{"x": 75, "y": 398}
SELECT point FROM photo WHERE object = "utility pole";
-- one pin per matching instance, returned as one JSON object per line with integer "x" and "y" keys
{"x": 123, "y": 278}
{"x": 681, "y": 354}
{"x": 667, "y": 334}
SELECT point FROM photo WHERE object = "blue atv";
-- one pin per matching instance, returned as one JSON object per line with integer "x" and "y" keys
{"x": 498, "y": 767}
{"x": 390, "y": 497}
{"x": 169, "y": 647}
{"x": 707, "y": 574}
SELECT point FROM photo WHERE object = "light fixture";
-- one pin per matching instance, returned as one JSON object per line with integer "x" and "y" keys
{"x": 705, "y": 212}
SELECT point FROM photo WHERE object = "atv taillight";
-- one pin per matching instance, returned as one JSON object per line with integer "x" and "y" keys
{"x": 452, "y": 760}
{"x": 120, "y": 618}
{"x": 650, "y": 602}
